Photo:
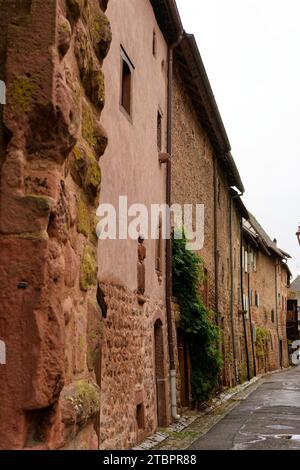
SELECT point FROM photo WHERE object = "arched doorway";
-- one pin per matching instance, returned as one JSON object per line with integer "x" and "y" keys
{"x": 160, "y": 374}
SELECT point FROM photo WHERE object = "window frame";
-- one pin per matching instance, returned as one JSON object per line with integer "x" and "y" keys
{"x": 125, "y": 58}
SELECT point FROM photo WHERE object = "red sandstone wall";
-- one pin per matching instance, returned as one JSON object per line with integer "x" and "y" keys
{"x": 51, "y": 140}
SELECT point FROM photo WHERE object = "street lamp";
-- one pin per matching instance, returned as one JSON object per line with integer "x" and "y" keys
{"x": 298, "y": 234}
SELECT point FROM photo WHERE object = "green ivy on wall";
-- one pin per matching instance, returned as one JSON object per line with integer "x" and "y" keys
{"x": 197, "y": 321}
{"x": 263, "y": 335}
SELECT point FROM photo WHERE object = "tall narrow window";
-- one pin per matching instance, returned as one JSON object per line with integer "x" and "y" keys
{"x": 126, "y": 83}
{"x": 154, "y": 44}
{"x": 159, "y": 131}
{"x": 140, "y": 416}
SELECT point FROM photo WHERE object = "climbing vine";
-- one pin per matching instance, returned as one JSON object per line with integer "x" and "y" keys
{"x": 197, "y": 321}
{"x": 263, "y": 335}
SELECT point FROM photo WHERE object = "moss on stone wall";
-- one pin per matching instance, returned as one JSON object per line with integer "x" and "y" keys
{"x": 21, "y": 94}
{"x": 93, "y": 177}
{"x": 263, "y": 335}
{"x": 85, "y": 400}
{"x": 83, "y": 219}
{"x": 88, "y": 269}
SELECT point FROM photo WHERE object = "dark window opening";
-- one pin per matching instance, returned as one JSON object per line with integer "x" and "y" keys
{"x": 272, "y": 316}
{"x": 140, "y": 416}
{"x": 159, "y": 131}
{"x": 126, "y": 88}
{"x": 126, "y": 85}
{"x": 154, "y": 44}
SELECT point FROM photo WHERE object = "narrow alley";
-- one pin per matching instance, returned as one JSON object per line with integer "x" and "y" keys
{"x": 269, "y": 419}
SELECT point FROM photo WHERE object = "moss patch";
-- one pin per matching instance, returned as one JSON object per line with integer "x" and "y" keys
{"x": 88, "y": 125}
{"x": 93, "y": 132}
{"x": 93, "y": 82}
{"x": 21, "y": 94}
{"x": 85, "y": 400}
{"x": 263, "y": 335}
{"x": 88, "y": 269}
{"x": 92, "y": 181}
{"x": 41, "y": 203}
{"x": 83, "y": 219}
{"x": 100, "y": 31}
{"x": 85, "y": 170}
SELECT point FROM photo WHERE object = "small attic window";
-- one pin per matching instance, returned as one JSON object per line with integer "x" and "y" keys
{"x": 126, "y": 83}
{"x": 154, "y": 44}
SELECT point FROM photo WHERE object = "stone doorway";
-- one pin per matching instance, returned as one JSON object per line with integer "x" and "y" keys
{"x": 160, "y": 375}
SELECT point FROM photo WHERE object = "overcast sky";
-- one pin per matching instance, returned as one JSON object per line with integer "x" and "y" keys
{"x": 250, "y": 49}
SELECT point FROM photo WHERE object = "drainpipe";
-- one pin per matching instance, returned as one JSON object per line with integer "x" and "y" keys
{"x": 250, "y": 319}
{"x": 173, "y": 381}
{"x": 231, "y": 289}
{"x": 276, "y": 310}
{"x": 216, "y": 253}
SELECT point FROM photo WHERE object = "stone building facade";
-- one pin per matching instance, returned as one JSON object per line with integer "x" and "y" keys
{"x": 293, "y": 325}
{"x": 135, "y": 355}
{"x": 203, "y": 172}
{"x": 266, "y": 281}
{"x": 51, "y": 139}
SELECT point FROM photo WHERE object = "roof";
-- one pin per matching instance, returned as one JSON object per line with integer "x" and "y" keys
{"x": 239, "y": 204}
{"x": 264, "y": 238}
{"x": 193, "y": 73}
{"x": 295, "y": 285}
{"x": 197, "y": 83}
{"x": 168, "y": 19}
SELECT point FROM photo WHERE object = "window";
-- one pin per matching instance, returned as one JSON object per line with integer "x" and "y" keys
{"x": 154, "y": 44}
{"x": 126, "y": 82}
{"x": 272, "y": 316}
{"x": 246, "y": 261}
{"x": 140, "y": 416}
{"x": 246, "y": 306}
{"x": 254, "y": 261}
{"x": 257, "y": 299}
{"x": 159, "y": 131}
